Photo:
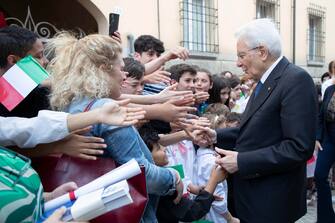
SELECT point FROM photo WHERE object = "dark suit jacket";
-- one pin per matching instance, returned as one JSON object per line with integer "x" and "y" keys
{"x": 275, "y": 139}
{"x": 322, "y": 131}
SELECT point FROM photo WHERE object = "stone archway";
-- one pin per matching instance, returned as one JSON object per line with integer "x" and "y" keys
{"x": 81, "y": 16}
{"x": 97, "y": 14}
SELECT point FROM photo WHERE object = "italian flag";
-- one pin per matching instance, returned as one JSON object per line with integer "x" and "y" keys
{"x": 20, "y": 80}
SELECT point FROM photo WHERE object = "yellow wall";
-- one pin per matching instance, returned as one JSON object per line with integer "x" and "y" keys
{"x": 141, "y": 17}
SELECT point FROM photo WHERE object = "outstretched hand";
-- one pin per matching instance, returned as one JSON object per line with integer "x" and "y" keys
{"x": 170, "y": 93}
{"x": 78, "y": 145}
{"x": 117, "y": 114}
{"x": 171, "y": 112}
{"x": 201, "y": 97}
{"x": 178, "y": 52}
{"x": 204, "y": 136}
{"x": 159, "y": 76}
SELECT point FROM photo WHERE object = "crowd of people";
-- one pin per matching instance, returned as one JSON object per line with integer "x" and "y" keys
{"x": 243, "y": 140}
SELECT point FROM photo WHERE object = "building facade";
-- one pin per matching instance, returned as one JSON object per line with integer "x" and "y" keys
{"x": 205, "y": 27}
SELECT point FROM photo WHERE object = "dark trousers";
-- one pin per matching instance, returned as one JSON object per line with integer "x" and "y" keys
{"x": 326, "y": 158}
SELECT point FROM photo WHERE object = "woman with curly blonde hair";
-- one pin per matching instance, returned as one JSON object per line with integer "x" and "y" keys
{"x": 86, "y": 74}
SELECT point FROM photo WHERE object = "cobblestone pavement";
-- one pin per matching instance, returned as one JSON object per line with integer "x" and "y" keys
{"x": 310, "y": 216}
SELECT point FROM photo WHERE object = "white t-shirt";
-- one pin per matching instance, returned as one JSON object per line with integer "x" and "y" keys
{"x": 183, "y": 153}
{"x": 325, "y": 85}
{"x": 205, "y": 160}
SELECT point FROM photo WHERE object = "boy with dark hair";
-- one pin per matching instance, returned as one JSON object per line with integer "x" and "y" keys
{"x": 16, "y": 43}
{"x": 184, "y": 75}
{"x": 186, "y": 210}
{"x": 25, "y": 43}
{"x": 133, "y": 83}
{"x": 148, "y": 48}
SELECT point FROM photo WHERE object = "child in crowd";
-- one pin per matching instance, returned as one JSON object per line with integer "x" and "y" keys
{"x": 186, "y": 210}
{"x": 220, "y": 91}
{"x": 205, "y": 160}
{"x": 183, "y": 152}
{"x": 133, "y": 84}
{"x": 202, "y": 84}
{"x": 217, "y": 109}
{"x": 233, "y": 119}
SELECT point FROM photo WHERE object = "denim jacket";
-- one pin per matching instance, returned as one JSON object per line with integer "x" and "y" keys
{"x": 124, "y": 143}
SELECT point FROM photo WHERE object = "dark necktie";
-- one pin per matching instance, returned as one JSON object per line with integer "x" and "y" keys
{"x": 258, "y": 88}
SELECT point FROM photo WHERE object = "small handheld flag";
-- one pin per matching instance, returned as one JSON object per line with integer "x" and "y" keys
{"x": 20, "y": 80}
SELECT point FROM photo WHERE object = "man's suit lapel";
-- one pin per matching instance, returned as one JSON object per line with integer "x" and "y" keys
{"x": 270, "y": 84}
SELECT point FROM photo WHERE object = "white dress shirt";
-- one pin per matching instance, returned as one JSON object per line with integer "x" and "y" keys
{"x": 48, "y": 126}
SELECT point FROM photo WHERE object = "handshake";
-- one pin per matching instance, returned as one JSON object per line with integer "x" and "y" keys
{"x": 199, "y": 132}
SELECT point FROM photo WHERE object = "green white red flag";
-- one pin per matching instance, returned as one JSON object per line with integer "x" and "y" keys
{"x": 20, "y": 80}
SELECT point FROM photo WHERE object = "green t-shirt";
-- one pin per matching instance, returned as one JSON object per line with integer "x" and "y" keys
{"x": 21, "y": 191}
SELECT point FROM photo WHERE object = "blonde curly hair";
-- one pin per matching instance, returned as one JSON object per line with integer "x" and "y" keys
{"x": 80, "y": 67}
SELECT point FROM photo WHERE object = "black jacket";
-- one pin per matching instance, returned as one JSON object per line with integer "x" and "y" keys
{"x": 35, "y": 101}
{"x": 320, "y": 135}
{"x": 187, "y": 210}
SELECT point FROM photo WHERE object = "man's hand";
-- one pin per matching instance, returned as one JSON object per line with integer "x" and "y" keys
{"x": 204, "y": 137}
{"x": 178, "y": 52}
{"x": 228, "y": 161}
{"x": 159, "y": 76}
{"x": 117, "y": 114}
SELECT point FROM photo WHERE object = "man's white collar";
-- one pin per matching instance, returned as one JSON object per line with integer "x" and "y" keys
{"x": 270, "y": 69}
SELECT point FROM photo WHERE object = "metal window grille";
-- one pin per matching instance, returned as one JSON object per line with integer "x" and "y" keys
{"x": 268, "y": 9}
{"x": 199, "y": 19}
{"x": 316, "y": 35}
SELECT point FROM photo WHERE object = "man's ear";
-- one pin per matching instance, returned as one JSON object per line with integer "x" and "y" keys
{"x": 264, "y": 51}
{"x": 137, "y": 56}
{"x": 12, "y": 59}
{"x": 173, "y": 81}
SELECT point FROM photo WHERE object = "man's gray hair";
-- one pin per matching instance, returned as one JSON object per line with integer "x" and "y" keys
{"x": 261, "y": 32}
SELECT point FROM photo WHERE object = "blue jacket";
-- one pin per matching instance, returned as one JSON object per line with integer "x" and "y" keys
{"x": 124, "y": 143}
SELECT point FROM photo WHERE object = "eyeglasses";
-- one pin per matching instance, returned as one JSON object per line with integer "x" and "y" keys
{"x": 13, "y": 165}
{"x": 241, "y": 56}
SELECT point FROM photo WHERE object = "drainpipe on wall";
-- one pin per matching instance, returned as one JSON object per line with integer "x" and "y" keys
{"x": 158, "y": 21}
{"x": 294, "y": 18}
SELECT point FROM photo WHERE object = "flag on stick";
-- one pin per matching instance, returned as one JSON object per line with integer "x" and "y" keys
{"x": 20, "y": 80}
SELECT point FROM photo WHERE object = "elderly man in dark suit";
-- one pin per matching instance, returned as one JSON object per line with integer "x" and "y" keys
{"x": 267, "y": 154}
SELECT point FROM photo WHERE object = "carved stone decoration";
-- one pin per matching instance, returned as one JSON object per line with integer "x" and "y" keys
{"x": 43, "y": 29}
